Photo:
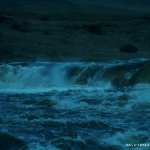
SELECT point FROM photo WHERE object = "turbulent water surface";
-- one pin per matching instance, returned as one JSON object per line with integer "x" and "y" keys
{"x": 76, "y": 106}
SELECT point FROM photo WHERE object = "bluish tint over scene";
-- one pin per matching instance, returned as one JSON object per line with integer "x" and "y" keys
{"x": 74, "y": 75}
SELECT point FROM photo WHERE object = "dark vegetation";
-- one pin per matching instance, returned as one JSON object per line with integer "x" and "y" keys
{"x": 45, "y": 32}
{"x": 9, "y": 142}
{"x": 91, "y": 28}
{"x": 146, "y": 18}
{"x": 129, "y": 48}
{"x": 95, "y": 29}
{"x": 8, "y": 51}
{"x": 2, "y": 18}
{"x": 20, "y": 26}
{"x": 45, "y": 18}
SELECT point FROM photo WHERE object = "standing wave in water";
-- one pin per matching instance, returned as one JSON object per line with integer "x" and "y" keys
{"x": 49, "y": 75}
{"x": 74, "y": 106}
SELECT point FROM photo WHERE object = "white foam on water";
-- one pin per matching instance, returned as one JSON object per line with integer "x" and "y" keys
{"x": 47, "y": 90}
{"x": 37, "y": 146}
{"x": 139, "y": 95}
{"x": 32, "y": 78}
{"x": 22, "y": 77}
{"x": 103, "y": 87}
{"x": 128, "y": 137}
{"x": 42, "y": 77}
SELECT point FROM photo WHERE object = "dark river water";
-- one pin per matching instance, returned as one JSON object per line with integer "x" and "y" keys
{"x": 75, "y": 106}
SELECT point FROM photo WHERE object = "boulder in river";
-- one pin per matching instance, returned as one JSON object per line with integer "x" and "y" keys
{"x": 10, "y": 142}
{"x": 142, "y": 75}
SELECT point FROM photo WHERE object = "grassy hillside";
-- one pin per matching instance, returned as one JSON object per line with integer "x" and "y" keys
{"x": 43, "y": 32}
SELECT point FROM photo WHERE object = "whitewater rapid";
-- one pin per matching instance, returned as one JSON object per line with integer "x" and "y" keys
{"x": 76, "y": 106}
{"x": 47, "y": 76}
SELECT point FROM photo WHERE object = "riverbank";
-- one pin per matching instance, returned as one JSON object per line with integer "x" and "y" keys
{"x": 72, "y": 35}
